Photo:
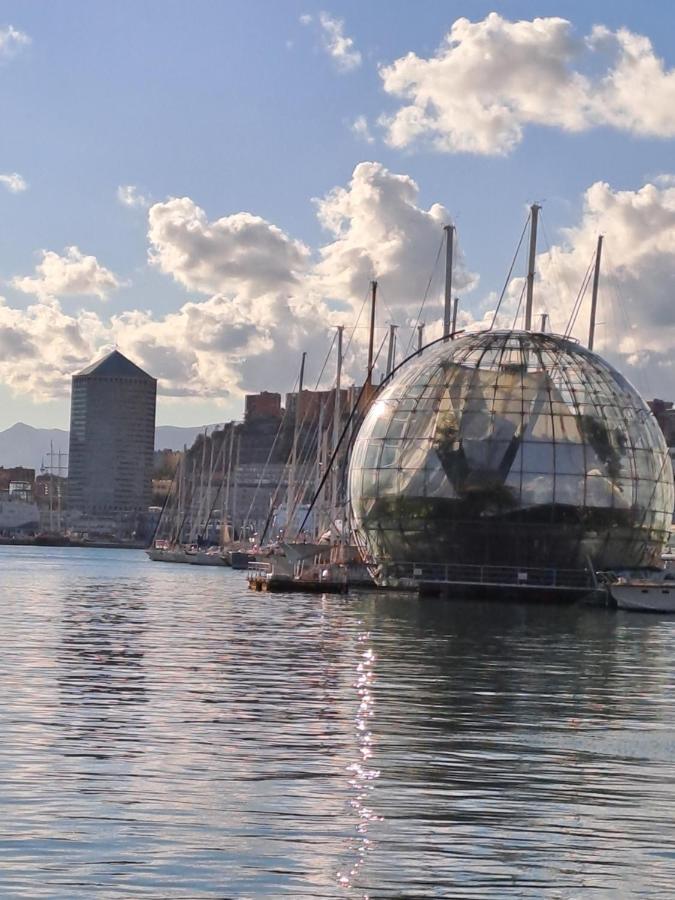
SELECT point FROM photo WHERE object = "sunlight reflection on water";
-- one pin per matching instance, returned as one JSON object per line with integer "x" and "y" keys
{"x": 164, "y": 733}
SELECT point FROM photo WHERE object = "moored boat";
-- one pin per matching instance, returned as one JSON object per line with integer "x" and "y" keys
{"x": 652, "y": 591}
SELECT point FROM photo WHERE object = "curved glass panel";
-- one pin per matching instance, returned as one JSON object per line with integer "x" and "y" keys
{"x": 511, "y": 448}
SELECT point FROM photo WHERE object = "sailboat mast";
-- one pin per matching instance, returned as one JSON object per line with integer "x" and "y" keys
{"x": 371, "y": 336}
{"x": 51, "y": 486}
{"x": 318, "y": 473}
{"x": 337, "y": 418}
{"x": 594, "y": 299}
{"x": 227, "y": 518}
{"x": 534, "y": 217}
{"x": 392, "y": 349}
{"x": 290, "y": 494}
{"x": 208, "y": 505}
{"x": 455, "y": 307}
{"x": 447, "y": 309}
{"x": 235, "y": 490}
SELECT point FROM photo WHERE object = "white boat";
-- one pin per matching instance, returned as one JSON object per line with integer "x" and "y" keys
{"x": 167, "y": 554}
{"x": 212, "y": 557}
{"x": 646, "y": 592}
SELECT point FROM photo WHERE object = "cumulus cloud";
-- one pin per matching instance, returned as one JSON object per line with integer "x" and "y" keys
{"x": 336, "y": 43}
{"x": 11, "y": 41}
{"x": 380, "y": 232}
{"x": 70, "y": 274}
{"x": 637, "y": 282}
{"x": 14, "y": 182}
{"x": 241, "y": 252}
{"x": 41, "y": 347}
{"x": 128, "y": 195}
{"x": 491, "y": 79}
{"x": 259, "y": 297}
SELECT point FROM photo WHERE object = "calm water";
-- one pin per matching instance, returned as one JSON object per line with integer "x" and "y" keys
{"x": 165, "y": 733}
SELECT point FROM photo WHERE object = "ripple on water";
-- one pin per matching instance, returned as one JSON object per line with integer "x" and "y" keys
{"x": 166, "y": 734}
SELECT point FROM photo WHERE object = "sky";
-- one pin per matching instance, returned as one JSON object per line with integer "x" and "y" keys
{"x": 210, "y": 187}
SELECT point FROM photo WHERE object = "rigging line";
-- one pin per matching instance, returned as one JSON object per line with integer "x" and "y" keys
{"x": 277, "y": 491}
{"x": 508, "y": 277}
{"x": 520, "y": 303}
{"x": 621, "y": 304}
{"x": 247, "y": 519}
{"x": 576, "y": 306}
{"x": 164, "y": 505}
{"x": 336, "y": 449}
{"x": 358, "y": 319}
{"x": 578, "y": 309}
{"x": 379, "y": 388}
{"x": 271, "y": 452}
{"x": 308, "y": 435}
{"x": 554, "y": 264}
{"x": 381, "y": 300}
{"x": 217, "y": 461}
{"x": 426, "y": 294}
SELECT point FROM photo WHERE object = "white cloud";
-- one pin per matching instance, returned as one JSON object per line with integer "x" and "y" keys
{"x": 128, "y": 195}
{"x": 14, "y": 182}
{"x": 491, "y": 79}
{"x": 41, "y": 347}
{"x": 259, "y": 296}
{"x": 240, "y": 253}
{"x": 11, "y": 41}
{"x": 361, "y": 129}
{"x": 637, "y": 282}
{"x": 335, "y": 42}
{"x": 68, "y": 275}
{"x": 380, "y": 232}
{"x": 340, "y": 47}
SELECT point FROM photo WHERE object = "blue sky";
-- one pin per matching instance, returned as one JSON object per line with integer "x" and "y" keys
{"x": 239, "y": 107}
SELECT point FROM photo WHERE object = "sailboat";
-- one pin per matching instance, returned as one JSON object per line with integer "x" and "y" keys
{"x": 187, "y": 513}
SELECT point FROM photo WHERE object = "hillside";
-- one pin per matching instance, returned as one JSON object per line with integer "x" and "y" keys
{"x": 24, "y": 445}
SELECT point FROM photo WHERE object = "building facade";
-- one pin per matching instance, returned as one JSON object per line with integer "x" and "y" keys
{"x": 112, "y": 438}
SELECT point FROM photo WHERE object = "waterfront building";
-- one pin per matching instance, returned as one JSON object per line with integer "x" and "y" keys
{"x": 112, "y": 434}
{"x": 265, "y": 405}
{"x": 510, "y": 449}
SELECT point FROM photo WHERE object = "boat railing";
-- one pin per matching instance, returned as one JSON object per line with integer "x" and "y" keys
{"x": 517, "y": 576}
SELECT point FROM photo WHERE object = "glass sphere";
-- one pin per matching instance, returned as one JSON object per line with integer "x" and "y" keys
{"x": 510, "y": 448}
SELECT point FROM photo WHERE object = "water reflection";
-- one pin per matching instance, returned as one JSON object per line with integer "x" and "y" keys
{"x": 100, "y": 669}
{"x": 524, "y": 751}
{"x": 363, "y": 775}
{"x": 167, "y": 734}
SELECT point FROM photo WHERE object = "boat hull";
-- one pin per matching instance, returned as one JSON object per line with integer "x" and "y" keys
{"x": 658, "y": 597}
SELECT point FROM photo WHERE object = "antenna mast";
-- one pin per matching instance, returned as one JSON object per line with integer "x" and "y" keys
{"x": 534, "y": 216}
{"x": 371, "y": 338}
{"x": 447, "y": 309}
{"x": 594, "y": 300}
{"x": 392, "y": 349}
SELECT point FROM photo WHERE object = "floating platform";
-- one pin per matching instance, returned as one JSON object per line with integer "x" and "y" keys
{"x": 263, "y": 578}
{"x": 493, "y": 582}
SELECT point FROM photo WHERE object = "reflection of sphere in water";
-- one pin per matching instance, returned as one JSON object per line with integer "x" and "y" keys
{"x": 511, "y": 448}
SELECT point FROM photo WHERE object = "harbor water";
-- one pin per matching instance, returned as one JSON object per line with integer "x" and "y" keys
{"x": 165, "y": 733}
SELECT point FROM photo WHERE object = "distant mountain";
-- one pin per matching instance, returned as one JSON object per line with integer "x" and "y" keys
{"x": 23, "y": 445}
{"x": 175, "y": 437}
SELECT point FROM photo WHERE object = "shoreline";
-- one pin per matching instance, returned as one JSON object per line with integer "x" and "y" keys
{"x": 57, "y": 542}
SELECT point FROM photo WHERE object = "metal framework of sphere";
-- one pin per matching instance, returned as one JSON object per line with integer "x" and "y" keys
{"x": 510, "y": 448}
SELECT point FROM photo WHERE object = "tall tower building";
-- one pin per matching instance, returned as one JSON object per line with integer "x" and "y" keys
{"x": 112, "y": 438}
